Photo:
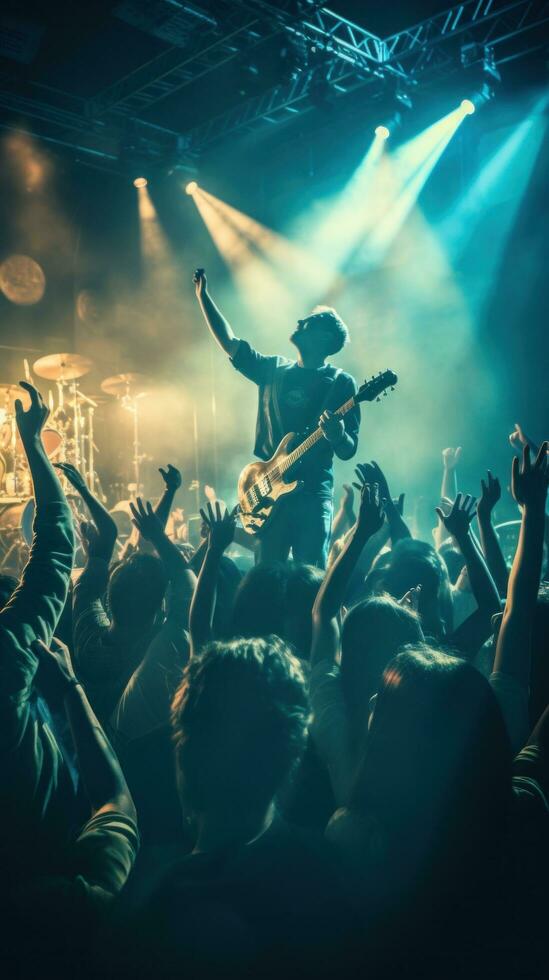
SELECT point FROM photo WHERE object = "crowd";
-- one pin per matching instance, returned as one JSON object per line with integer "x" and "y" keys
{"x": 287, "y": 773}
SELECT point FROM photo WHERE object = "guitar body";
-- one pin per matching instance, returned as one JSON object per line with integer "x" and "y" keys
{"x": 261, "y": 485}
{"x": 259, "y": 490}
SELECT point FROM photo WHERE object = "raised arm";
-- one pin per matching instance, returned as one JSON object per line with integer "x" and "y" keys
{"x": 345, "y": 516}
{"x": 448, "y": 487}
{"x": 518, "y": 439}
{"x": 458, "y": 524}
{"x": 37, "y": 603}
{"x": 220, "y": 328}
{"x": 220, "y": 534}
{"x": 172, "y": 483}
{"x": 330, "y": 597}
{"x": 106, "y": 527}
{"x": 102, "y": 776}
{"x": 490, "y": 494}
{"x": 529, "y": 487}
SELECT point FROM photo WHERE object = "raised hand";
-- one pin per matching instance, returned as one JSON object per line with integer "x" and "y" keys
{"x": 372, "y": 473}
{"x": 200, "y": 282}
{"x": 220, "y": 526}
{"x": 54, "y": 664}
{"x": 210, "y": 494}
{"x": 75, "y": 478}
{"x": 411, "y": 598}
{"x": 517, "y": 437}
{"x": 490, "y": 494}
{"x": 146, "y": 521}
{"x": 458, "y": 521}
{"x": 31, "y": 422}
{"x": 370, "y": 513}
{"x": 171, "y": 477}
{"x": 90, "y": 538}
{"x": 529, "y": 482}
{"x": 451, "y": 457}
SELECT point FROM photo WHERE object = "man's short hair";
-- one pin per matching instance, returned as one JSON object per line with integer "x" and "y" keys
{"x": 239, "y": 722}
{"x": 336, "y": 325}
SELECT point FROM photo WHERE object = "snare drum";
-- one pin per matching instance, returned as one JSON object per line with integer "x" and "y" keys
{"x": 18, "y": 517}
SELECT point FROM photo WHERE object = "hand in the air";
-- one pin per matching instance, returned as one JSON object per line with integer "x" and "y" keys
{"x": 370, "y": 513}
{"x": 220, "y": 526}
{"x": 517, "y": 437}
{"x": 31, "y": 422}
{"x": 411, "y": 598}
{"x": 451, "y": 457}
{"x": 54, "y": 665}
{"x": 75, "y": 478}
{"x": 372, "y": 473}
{"x": 490, "y": 494}
{"x": 529, "y": 481}
{"x": 171, "y": 477}
{"x": 333, "y": 427}
{"x": 210, "y": 494}
{"x": 145, "y": 520}
{"x": 200, "y": 282}
{"x": 458, "y": 521}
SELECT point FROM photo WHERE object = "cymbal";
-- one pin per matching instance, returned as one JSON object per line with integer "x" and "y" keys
{"x": 126, "y": 384}
{"x": 62, "y": 367}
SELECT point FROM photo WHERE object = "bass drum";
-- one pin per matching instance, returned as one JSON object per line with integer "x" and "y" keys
{"x": 17, "y": 517}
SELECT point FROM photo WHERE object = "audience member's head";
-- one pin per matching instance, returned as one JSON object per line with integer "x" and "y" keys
{"x": 277, "y": 598}
{"x": 436, "y": 771}
{"x": 302, "y": 585}
{"x": 453, "y": 559}
{"x": 415, "y": 563}
{"x": 372, "y": 634}
{"x": 136, "y": 592}
{"x": 240, "y": 722}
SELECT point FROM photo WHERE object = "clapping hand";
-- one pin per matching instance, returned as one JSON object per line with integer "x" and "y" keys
{"x": 529, "y": 482}
{"x": 490, "y": 494}
{"x": 75, "y": 478}
{"x": 370, "y": 512}
{"x": 458, "y": 521}
{"x": 171, "y": 477}
{"x": 146, "y": 521}
{"x": 220, "y": 526}
{"x": 31, "y": 422}
{"x": 451, "y": 457}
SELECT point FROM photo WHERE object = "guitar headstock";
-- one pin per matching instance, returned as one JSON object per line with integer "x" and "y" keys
{"x": 377, "y": 385}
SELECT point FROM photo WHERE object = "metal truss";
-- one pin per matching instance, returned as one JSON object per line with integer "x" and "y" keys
{"x": 420, "y": 53}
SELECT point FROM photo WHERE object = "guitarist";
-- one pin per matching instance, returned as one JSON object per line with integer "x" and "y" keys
{"x": 293, "y": 397}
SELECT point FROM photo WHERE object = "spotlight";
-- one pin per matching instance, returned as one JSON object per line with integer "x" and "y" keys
{"x": 140, "y": 182}
{"x": 467, "y": 107}
{"x": 382, "y": 132}
{"x": 191, "y": 187}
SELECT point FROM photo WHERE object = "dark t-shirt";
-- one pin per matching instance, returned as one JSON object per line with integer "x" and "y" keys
{"x": 272, "y": 907}
{"x": 291, "y": 399}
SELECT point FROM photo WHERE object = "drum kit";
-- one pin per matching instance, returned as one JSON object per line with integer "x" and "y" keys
{"x": 67, "y": 437}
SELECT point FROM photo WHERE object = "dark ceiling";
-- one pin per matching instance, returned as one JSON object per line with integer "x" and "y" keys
{"x": 59, "y": 61}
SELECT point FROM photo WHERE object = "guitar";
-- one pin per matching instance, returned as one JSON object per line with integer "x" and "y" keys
{"x": 262, "y": 484}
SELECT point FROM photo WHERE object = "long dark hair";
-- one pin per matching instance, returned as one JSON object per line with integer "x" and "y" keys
{"x": 435, "y": 775}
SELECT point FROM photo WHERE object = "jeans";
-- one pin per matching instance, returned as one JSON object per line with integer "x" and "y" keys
{"x": 301, "y": 522}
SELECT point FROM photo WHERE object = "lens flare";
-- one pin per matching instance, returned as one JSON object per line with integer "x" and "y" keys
{"x": 140, "y": 182}
{"x": 467, "y": 107}
{"x": 191, "y": 187}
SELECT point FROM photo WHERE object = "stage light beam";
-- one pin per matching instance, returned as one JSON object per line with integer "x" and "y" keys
{"x": 191, "y": 187}
{"x": 140, "y": 182}
{"x": 382, "y": 132}
{"x": 467, "y": 107}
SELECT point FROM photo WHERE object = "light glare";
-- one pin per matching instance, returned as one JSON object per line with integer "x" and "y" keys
{"x": 468, "y": 107}
{"x": 382, "y": 132}
{"x": 191, "y": 187}
{"x": 140, "y": 182}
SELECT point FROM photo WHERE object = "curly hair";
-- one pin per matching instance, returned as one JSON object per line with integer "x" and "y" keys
{"x": 239, "y": 721}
